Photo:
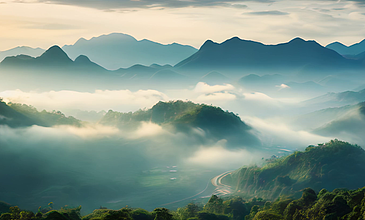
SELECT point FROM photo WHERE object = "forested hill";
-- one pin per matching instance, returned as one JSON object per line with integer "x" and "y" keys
{"x": 332, "y": 165}
{"x": 45, "y": 118}
{"x": 180, "y": 116}
{"x": 12, "y": 118}
{"x": 21, "y": 115}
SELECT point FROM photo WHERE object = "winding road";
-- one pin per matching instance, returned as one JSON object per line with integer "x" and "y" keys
{"x": 220, "y": 190}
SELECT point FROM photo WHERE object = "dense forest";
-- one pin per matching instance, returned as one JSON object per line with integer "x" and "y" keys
{"x": 338, "y": 204}
{"x": 21, "y": 115}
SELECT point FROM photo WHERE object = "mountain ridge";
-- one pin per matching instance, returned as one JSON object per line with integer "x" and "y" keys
{"x": 117, "y": 50}
{"x": 236, "y": 53}
{"x": 342, "y": 49}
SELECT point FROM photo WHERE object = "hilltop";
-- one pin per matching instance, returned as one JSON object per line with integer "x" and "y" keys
{"x": 179, "y": 116}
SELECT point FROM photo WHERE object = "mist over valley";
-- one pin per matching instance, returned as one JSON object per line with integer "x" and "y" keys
{"x": 115, "y": 126}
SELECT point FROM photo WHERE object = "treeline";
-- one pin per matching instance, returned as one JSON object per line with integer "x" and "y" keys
{"x": 44, "y": 118}
{"x": 22, "y": 115}
{"x": 338, "y": 204}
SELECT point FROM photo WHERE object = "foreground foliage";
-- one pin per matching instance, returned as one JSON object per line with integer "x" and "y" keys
{"x": 338, "y": 204}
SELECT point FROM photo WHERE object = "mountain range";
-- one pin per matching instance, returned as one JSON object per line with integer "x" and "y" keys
{"x": 237, "y": 56}
{"x": 342, "y": 49}
{"x": 118, "y": 50}
{"x": 336, "y": 99}
{"x": 23, "y": 50}
{"x": 296, "y": 62}
{"x": 54, "y": 70}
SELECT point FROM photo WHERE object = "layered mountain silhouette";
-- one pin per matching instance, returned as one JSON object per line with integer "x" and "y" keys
{"x": 118, "y": 50}
{"x": 348, "y": 126}
{"x": 23, "y": 50}
{"x": 337, "y": 99}
{"x": 236, "y": 54}
{"x": 213, "y": 63}
{"x": 342, "y": 49}
{"x": 321, "y": 118}
{"x": 54, "y": 70}
{"x": 280, "y": 86}
{"x": 214, "y": 77}
{"x": 53, "y": 58}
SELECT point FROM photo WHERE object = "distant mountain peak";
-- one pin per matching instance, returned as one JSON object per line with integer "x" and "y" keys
{"x": 234, "y": 39}
{"x": 297, "y": 40}
{"x": 337, "y": 43}
{"x": 55, "y": 54}
{"x": 116, "y": 36}
{"x": 81, "y": 40}
{"x": 208, "y": 44}
{"x": 82, "y": 58}
{"x": 117, "y": 50}
{"x": 343, "y": 49}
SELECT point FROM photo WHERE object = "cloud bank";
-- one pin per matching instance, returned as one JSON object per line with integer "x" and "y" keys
{"x": 121, "y": 100}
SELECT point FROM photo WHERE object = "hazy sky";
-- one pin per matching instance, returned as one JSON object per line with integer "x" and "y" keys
{"x": 42, "y": 23}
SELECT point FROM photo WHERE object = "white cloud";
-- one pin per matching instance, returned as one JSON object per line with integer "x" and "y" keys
{"x": 218, "y": 157}
{"x": 218, "y": 96}
{"x": 283, "y": 86}
{"x": 147, "y": 129}
{"x": 90, "y": 131}
{"x": 258, "y": 96}
{"x": 275, "y": 133}
{"x": 120, "y": 100}
{"x": 202, "y": 87}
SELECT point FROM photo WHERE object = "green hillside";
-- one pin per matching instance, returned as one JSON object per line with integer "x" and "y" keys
{"x": 44, "y": 118}
{"x": 179, "y": 116}
{"x": 332, "y": 165}
{"x": 12, "y": 118}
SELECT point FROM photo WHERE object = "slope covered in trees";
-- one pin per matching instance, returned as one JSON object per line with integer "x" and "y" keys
{"x": 12, "y": 118}
{"x": 332, "y": 165}
{"x": 21, "y": 115}
{"x": 179, "y": 116}
{"x": 44, "y": 118}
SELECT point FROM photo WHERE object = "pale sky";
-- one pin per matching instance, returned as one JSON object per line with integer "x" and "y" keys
{"x": 43, "y": 23}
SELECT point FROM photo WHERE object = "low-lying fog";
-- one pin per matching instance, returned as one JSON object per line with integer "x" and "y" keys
{"x": 97, "y": 165}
